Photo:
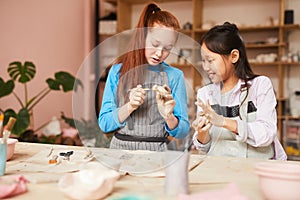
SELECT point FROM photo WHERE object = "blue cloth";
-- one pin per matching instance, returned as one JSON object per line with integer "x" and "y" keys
{"x": 108, "y": 117}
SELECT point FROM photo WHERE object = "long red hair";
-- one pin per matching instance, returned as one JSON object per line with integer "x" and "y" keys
{"x": 135, "y": 56}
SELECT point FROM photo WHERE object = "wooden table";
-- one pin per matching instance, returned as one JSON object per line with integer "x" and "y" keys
{"x": 213, "y": 173}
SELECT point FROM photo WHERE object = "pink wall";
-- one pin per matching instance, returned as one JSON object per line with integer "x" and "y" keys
{"x": 51, "y": 34}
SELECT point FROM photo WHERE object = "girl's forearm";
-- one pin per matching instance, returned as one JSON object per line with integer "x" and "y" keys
{"x": 172, "y": 121}
{"x": 124, "y": 112}
{"x": 203, "y": 138}
{"x": 231, "y": 125}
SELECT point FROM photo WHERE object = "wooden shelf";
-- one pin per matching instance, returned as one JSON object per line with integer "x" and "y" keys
{"x": 281, "y": 99}
{"x": 290, "y": 26}
{"x": 258, "y": 64}
{"x": 283, "y": 117}
{"x": 248, "y": 28}
{"x": 147, "y": 1}
{"x": 258, "y": 28}
{"x": 291, "y": 63}
{"x": 263, "y": 64}
{"x": 281, "y": 31}
{"x": 114, "y": 2}
{"x": 187, "y": 32}
{"x": 254, "y": 46}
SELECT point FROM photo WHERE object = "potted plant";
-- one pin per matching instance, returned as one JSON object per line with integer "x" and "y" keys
{"x": 23, "y": 73}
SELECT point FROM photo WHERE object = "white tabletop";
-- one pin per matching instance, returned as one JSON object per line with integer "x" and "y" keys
{"x": 212, "y": 174}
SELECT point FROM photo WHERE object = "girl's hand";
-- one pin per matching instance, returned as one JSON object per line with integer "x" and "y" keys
{"x": 202, "y": 125}
{"x": 212, "y": 116}
{"x": 137, "y": 97}
{"x": 165, "y": 101}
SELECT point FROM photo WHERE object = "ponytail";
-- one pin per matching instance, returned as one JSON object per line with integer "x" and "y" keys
{"x": 134, "y": 58}
{"x": 146, "y": 15}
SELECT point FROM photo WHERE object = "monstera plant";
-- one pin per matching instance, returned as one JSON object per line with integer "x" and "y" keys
{"x": 23, "y": 73}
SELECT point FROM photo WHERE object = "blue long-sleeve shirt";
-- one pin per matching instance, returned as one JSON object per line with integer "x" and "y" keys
{"x": 108, "y": 118}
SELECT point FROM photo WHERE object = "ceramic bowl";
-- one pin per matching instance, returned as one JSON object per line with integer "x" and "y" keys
{"x": 11, "y": 142}
{"x": 279, "y": 181}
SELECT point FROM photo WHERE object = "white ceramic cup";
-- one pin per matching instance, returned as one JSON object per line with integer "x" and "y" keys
{"x": 176, "y": 180}
{"x": 3, "y": 149}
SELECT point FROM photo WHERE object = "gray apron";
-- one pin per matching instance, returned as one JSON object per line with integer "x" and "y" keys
{"x": 146, "y": 120}
{"x": 224, "y": 142}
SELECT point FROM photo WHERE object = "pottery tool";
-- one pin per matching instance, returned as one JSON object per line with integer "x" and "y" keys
{"x": 7, "y": 130}
{"x": 51, "y": 151}
{"x": 89, "y": 154}
{"x": 66, "y": 155}
{"x": 146, "y": 89}
{"x": 53, "y": 160}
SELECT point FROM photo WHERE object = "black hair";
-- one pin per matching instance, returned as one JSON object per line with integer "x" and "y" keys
{"x": 222, "y": 39}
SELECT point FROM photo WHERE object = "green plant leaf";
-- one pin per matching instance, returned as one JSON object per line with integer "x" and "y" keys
{"x": 21, "y": 73}
{"x": 6, "y": 87}
{"x": 64, "y": 81}
{"x": 7, "y": 114}
{"x": 22, "y": 120}
{"x": 52, "y": 84}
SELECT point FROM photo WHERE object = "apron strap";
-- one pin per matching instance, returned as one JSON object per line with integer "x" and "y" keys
{"x": 243, "y": 110}
{"x": 136, "y": 138}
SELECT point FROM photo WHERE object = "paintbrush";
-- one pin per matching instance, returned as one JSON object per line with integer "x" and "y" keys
{"x": 7, "y": 131}
{"x": 1, "y": 122}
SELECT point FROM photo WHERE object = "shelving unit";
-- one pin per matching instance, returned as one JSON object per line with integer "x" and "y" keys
{"x": 280, "y": 48}
{"x": 291, "y": 139}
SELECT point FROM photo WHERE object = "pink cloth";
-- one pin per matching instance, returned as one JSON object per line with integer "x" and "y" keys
{"x": 12, "y": 185}
{"x": 70, "y": 132}
{"x": 229, "y": 192}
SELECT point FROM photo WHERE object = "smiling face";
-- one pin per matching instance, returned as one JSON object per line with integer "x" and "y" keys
{"x": 159, "y": 42}
{"x": 218, "y": 67}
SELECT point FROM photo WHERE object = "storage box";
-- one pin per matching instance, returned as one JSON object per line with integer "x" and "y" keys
{"x": 291, "y": 138}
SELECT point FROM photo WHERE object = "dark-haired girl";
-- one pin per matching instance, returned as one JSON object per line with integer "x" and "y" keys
{"x": 236, "y": 113}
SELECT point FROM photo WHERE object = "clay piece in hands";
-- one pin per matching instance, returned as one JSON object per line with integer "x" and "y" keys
{"x": 164, "y": 90}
